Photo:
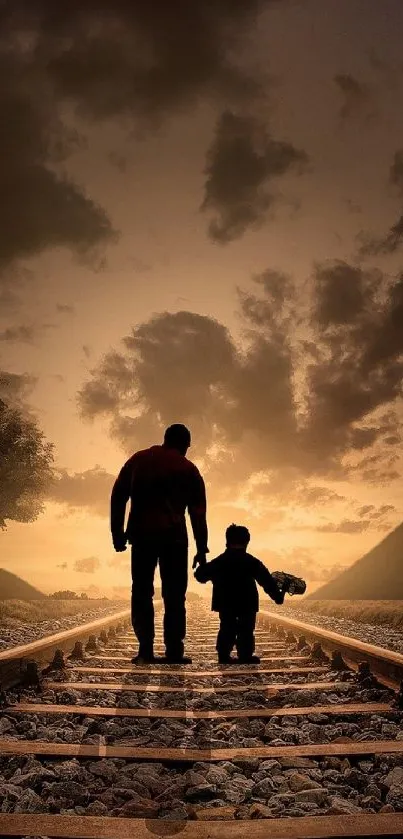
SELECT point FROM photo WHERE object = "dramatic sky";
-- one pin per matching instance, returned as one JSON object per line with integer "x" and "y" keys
{"x": 202, "y": 222}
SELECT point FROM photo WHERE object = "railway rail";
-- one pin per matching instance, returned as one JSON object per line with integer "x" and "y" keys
{"x": 204, "y": 750}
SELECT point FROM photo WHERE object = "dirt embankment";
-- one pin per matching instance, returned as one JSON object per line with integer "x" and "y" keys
{"x": 14, "y": 612}
{"x": 376, "y": 612}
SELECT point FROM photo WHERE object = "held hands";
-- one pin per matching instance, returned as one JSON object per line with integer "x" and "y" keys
{"x": 200, "y": 558}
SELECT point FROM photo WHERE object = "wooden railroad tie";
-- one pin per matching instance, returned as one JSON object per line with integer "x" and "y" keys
{"x": 190, "y": 755}
{"x": 219, "y": 668}
{"x": 185, "y": 713}
{"x": 109, "y": 827}
{"x": 193, "y": 674}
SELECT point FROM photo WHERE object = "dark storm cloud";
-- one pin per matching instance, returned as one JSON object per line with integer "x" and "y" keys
{"x": 87, "y": 565}
{"x": 396, "y": 170}
{"x": 43, "y": 208}
{"x": 135, "y": 62}
{"x": 382, "y": 245}
{"x": 143, "y": 58}
{"x": 340, "y": 294}
{"x": 174, "y": 365}
{"x": 89, "y": 490}
{"x": 357, "y": 98}
{"x": 122, "y": 60}
{"x": 389, "y": 243}
{"x": 269, "y": 406}
{"x": 242, "y": 161}
{"x": 360, "y": 365}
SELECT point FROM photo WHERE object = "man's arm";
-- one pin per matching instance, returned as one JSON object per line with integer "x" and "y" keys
{"x": 197, "y": 508}
{"x": 119, "y": 498}
{"x": 268, "y": 583}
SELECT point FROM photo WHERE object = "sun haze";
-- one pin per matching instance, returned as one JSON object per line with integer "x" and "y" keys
{"x": 203, "y": 224}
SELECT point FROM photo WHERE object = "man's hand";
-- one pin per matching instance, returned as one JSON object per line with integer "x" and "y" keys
{"x": 119, "y": 543}
{"x": 200, "y": 558}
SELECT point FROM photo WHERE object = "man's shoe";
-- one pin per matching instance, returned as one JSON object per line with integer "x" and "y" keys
{"x": 253, "y": 659}
{"x": 143, "y": 658}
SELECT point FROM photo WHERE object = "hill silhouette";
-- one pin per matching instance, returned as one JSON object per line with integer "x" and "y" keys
{"x": 14, "y": 588}
{"x": 378, "y": 575}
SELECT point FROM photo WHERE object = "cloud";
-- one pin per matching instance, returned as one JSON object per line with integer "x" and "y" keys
{"x": 83, "y": 491}
{"x": 396, "y": 170}
{"x": 44, "y": 209}
{"x": 135, "y": 63}
{"x": 19, "y": 334}
{"x": 63, "y": 566}
{"x": 390, "y": 242}
{"x": 270, "y": 404}
{"x": 137, "y": 58}
{"x": 92, "y": 590}
{"x": 345, "y": 526}
{"x": 88, "y": 565}
{"x": 302, "y": 562}
{"x": 15, "y": 388}
{"x": 357, "y": 98}
{"x": 118, "y": 161}
{"x": 242, "y": 161}
{"x": 24, "y": 334}
{"x": 65, "y": 308}
{"x": 365, "y": 510}
{"x": 359, "y": 365}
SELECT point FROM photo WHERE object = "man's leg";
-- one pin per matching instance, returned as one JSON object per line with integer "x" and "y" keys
{"x": 245, "y": 641}
{"x": 144, "y": 563}
{"x": 226, "y": 634}
{"x": 173, "y": 562}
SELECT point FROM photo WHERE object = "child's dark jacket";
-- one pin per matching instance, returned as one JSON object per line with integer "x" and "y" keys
{"x": 234, "y": 575}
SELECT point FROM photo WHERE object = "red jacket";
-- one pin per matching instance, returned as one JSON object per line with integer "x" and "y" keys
{"x": 161, "y": 483}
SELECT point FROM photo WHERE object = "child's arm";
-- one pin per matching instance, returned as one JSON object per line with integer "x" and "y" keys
{"x": 268, "y": 583}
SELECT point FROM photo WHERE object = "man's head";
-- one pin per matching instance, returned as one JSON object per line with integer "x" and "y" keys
{"x": 177, "y": 436}
{"x": 237, "y": 536}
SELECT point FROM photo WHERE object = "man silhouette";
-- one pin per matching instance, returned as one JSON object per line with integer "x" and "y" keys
{"x": 161, "y": 483}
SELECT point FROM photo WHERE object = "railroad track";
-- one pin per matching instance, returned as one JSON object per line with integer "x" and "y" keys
{"x": 308, "y": 744}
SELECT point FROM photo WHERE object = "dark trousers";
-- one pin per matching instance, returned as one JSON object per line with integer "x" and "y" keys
{"x": 236, "y": 628}
{"x": 173, "y": 565}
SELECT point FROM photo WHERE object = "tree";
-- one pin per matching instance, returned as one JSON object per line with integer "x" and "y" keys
{"x": 84, "y": 595}
{"x": 26, "y": 461}
{"x": 64, "y": 595}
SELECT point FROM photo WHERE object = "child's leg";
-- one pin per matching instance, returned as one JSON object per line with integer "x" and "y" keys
{"x": 245, "y": 640}
{"x": 226, "y": 634}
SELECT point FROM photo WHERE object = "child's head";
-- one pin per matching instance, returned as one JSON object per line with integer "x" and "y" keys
{"x": 237, "y": 536}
